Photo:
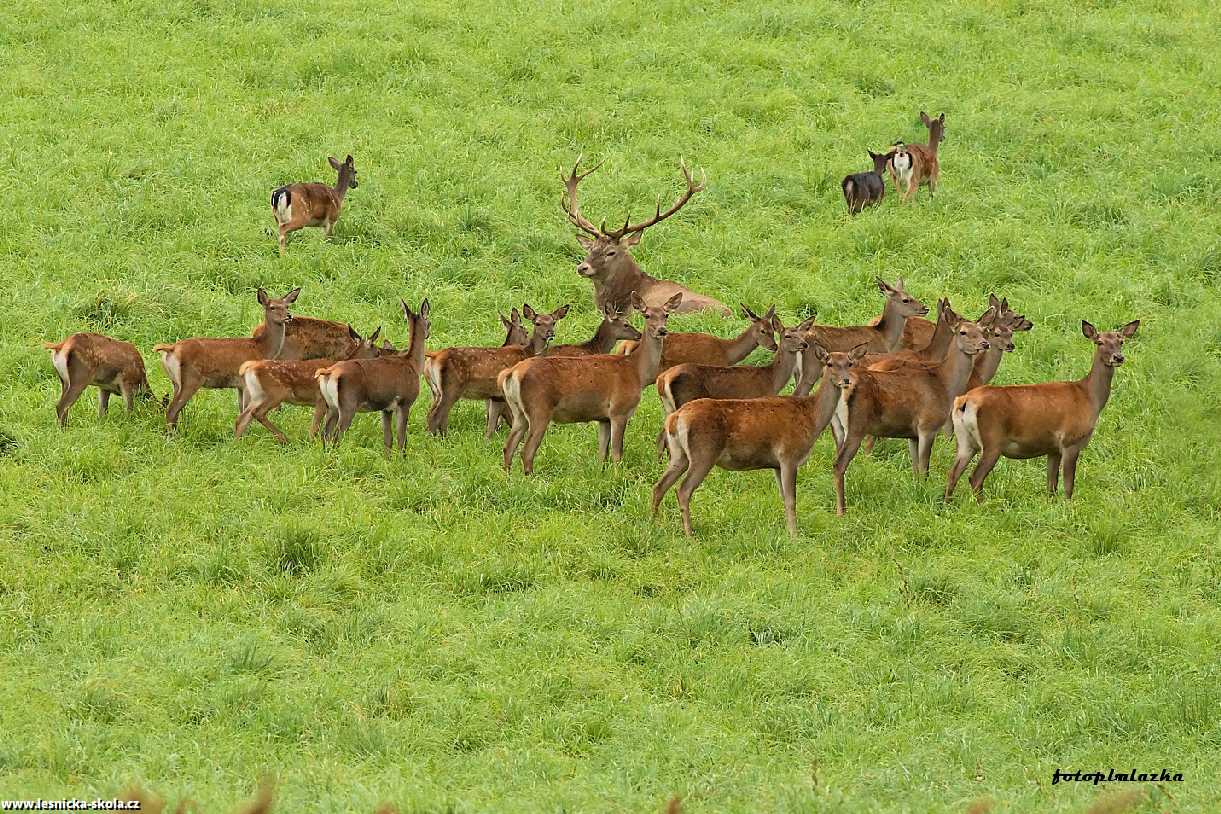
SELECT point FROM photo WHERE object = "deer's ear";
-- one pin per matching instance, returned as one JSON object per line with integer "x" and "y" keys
{"x": 560, "y": 312}
{"x": 924, "y": 119}
{"x": 777, "y": 325}
{"x": 806, "y": 324}
{"x": 262, "y": 298}
{"x": 771, "y": 313}
{"x": 352, "y": 332}
{"x": 334, "y": 163}
{"x": 291, "y": 296}
{"x": 637, "y": 303}
{"x": 1089, "y": 330}
{"x": 941, "y": 118}
{"x": 375, "y": 335}
{"x": 587, "y": 243}
{"x": 528, "y": 312}
{"x": 406, "y": 310}
{"x": 1129, "y": 330}
{"x": 632, "y": 239}
{"x": 883, "y": 286}
{"x": 747, "y": 314}
{"x": 673, "y": 303}
{"x": 349, "y": 161}
{"x": 820, "y": 353}
{"x": 858, "y": 353}
{"x": 1023, "y": 324}
{"x": 425, "y": 308}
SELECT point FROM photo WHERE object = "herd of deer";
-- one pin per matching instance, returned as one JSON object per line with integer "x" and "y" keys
{"x": 902, "y": 376}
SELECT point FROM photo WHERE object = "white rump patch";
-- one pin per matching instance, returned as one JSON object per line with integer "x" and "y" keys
{"x": 173, "y": 367}
{"x": 59, "y": 358}
{"x": 254, "y": 388}
{"x": 329, "y": 386}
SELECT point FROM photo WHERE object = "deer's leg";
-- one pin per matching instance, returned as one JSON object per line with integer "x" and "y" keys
{"x": 1070, "y": 470}
{"x": 842, "y": 459}
{"x": 387, "y": 431}
{"x": 327, "y": 228}
{"x": 260, "y": 411}
{"x": 332, "y": 423}
{"x": 678, "y": 465}
{"x": 987, "y": 460}
{"x": 103, "y": 401}
{"x": 129, "y": 396}
{"x": 697, "y": 470}
{"x": 319, "y": 414}
{"x": 1053, "y": 473}
{"x": 346, "y": 414}
{"x": 786, "y": 479}
{"x": 538, "y": 428}
{"x": 661, "y": 441}
{"x": 243, "y": 420}
{"x": 913, "y": 452}
{"x": 404, "y": 411}
{"x": 604, "y": 434}
{"x": 924, "y": 451}
{"x": 618, "y": 427}
{"x": 867, "y": 446}
{"x": 190, "y": 386}
{"x": 71, "y": 392}
{"x": 441, "y": 408}
{"x": 494, "y": 410}
{"x": 283, "y": 238}
{"x": 966, "y": 451}
{"x": 516, "y": 431}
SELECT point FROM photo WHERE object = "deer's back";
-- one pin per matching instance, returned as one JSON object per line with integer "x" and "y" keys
{"x": 309, "y": 338}
{"x": 1033, "y": 418}
{"x": 579, "y": 386}
{"x": 318, "y": 199}
{"x": 843, "y": 339}
{"x": 474, "y": 370}
{"x": 748, "y": 433}
{"x": 295, "y": 378}
{"x": 688, "y": 381}
{"x": 217, "y": 360}
{"x": 380, "y": 383}
{"x": 897, "y": 403}
{"x": 110, "y": 359}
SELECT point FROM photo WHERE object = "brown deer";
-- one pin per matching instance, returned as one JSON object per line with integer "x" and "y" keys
{"x": 114, "y": 366}
{"x": 900, "y": 166}
{"x": 470, "y": 373}
{"x": 309, "y": 338}
{"x": 925, "y": 170}
{"x": 706, "y": 349}
{"x": 609, "y": 264}
{"x": 613, "y": 327}
{"x": 271, "y": 382}
{"x": 1055, "y": 419}
{"x": 999, "y": 332}
{"x": 214, "y": 363}
{"x": 881, "y": 337}
{"x": 312, "y": 204}
{"x": 495, "y": 409}
{"x": 687, "y": 382}
{"x": 912, "y": 402}
{"x": 387, "y": 384}
{"x": 932, "y": 351}
{"x": 774, "y": 433}
{"x": 570, "y": 390}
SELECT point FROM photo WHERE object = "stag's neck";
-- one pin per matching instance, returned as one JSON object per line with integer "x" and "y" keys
{"x": 646, "y": 357}
{"x": 890, "y": 326}
{"x": 601, "y": 342}
{"x": 1097, "y": 382}
{"x": 740, "y": 346}
{"x": 988, "y": 362}
{"x": 271, "y": 343}
{"x": 955, "y": 371}
{"x": 782, "y": 367}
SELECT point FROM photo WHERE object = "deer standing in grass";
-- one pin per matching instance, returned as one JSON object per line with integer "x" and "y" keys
{"x": 775, "y": 433}
{"x": 1053, "y": 419}
{"x": 309, "y": 338}
{"x": 613, "y": 327}
{"x": 387, "y": 384}
{"x": 269, "y": 383}
{"x": 569, "y": 390}
{"x": 215, "y": 363}
{"x": 706, "y": 349}
{"x": 687, "y": 382}
{"x": 297, "y": 206}
{"x": 114, "y": 366}
{"x": 863, "y": 189}
{"x": 881, "y": 337}
{"x": 470, "y": 373}
{"x": 495, "y": 409}
{"x": 925, "y": 169}
{"x": 609, "y": 264}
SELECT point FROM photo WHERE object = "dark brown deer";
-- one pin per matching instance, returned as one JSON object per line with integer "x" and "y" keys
{"x": 312, "y": 204}
{"x": 742, "y": 434}
{"x": 706, "y": 349}
{"x": 215, "y": 363}
{"x": 470, "y": 373}
{"x": 609, "y": 264}
{"x": 864, "y": 189}
{"x": 114, "y": 366}
{"x": 571, "y": 390}
{"x": 387, "y": 384}
{"x": 687, "y": 382}
{"x": 1053, "y": 419}
{"x": 272, "y": 382}
{"x": 881, "y": 337}
{"x": 925, "y": 169}
{"x": 613, "y": 327}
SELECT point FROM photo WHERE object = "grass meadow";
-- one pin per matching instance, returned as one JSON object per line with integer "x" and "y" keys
{"x": 189, "y": 613}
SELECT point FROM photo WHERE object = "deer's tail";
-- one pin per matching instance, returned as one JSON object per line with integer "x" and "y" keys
{"x": 282, "y": 203}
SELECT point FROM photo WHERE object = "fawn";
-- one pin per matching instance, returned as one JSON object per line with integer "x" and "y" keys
{"x": 925, "y": 169}
{"x": 613, "y": 327}
{"x": 116, "y": 367}
{"x": 706, "y": 349}
{"x": 312, "y": 204}
{"x": 1055, "y": 419}
{"x": 864, "y": 189}
{"x": 900, "y": 166}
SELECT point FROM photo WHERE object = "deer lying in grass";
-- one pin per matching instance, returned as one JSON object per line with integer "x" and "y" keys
{"x": 609, "y": 264}
{"x": 387, "y": 384}
{"x": 911, "y": 402}
{"x": 1053, "y": 419}
{"x": 741, "y": 434}
{"x": 312, "y": 204}
{"x": 570, "y": 390}
{"x": 114, "y": 366}
{"x": 687, "y": 382}
{"x": 925, "y": 169}
{"x": 881, "y": 337}
{"x": 272, "y": 382}
{"x": 613, "y": 327}
{"x": 215, "y": 363}
{"x": 470, "y": 373}
{"x": 864, "y": 189}
{"x": 706, "y": 349}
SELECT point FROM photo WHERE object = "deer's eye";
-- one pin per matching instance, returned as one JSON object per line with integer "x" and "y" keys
{"x": 906, "y": 299}
{"x": 611, "y": 253}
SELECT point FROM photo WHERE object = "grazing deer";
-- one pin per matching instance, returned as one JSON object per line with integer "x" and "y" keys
{"x": 900, "y": 166}
{"x": 864, "y": 189}
{"x": 880, "y": 337}
{"x": 570, "y": 390}
{"x": 269, "y": 383}
{"x": 215, "y": 363}
{"x": 387, "y": 384}
{"x": 113, "y": 365}
{"x": 706, "y": 349}
{"x": 742, "y": 434}
{"x": 925, "y": 170}
{"x": 687, "y": 382}
{"x": 1055, "y": 419}
{"x": 312, "y": 204}
{"x": 609, "y": 264}
{"x": 912, "y": 402}
{"x": 470, "y": 373}
{"x": 613, "y": 327}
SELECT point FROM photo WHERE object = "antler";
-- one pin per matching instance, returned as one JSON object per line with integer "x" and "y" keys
{"x": 569, "y": 200}
{"x": 659, "y": 216}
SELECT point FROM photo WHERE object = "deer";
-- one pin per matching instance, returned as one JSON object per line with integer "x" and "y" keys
{"x": 115, "y": 367}
{"x": 900, "y": 166}
{"x": 864, "y": 189}
{"x": 569, "y": 390}
{"x": 1052, "y": 419}
{"x": 775, "y": 433}
{"x": 686, "y": 382}
{"x": 494, "y": 408}
{"x": 297, "y": 206}
{"x": 932, "y": 351}
{"x": 387, "y": 384}
{"x": 608, "y": 262}
{"x": 925, "y": 170}
{"x": 310, "y": 338}
{"x": 912, "y": 402}
{"x": 215, "y": 363}
{"x": 270, "y": 383}
{"x": 613, "y": 327}
{"x": 470, "y": 373}
{"x": 706, "y": 349}
{"x": 881, "y": 337}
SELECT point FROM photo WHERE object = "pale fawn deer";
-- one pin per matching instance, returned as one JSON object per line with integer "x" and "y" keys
{"x": 613, "y": 327}
{"x": 925, "y": 167}
{"x": 85, "y": 359}
{"x": 272, "y": 382}
{"x": 570, "y": 390}
{"x": 865, "y": 189}
{"x": 215, "y": 363}
{"x": 1053, "y": 419}
{"x": 775, "y": 433}
{"x": 706, "y": 349}
{"x": 609, "y": 264}
{"x": 297, "y": 206}
{"x": 470, "y": 372}
{"x": 387, "y": 384}
{"x": 687, "y": 382}
{"x": 881, "y": 337}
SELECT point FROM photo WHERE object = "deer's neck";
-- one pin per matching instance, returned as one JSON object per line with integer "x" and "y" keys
{"x": 646, "y": 357}
{"x": 782, "y": 367}
{"x": 537, "y": 344}
{"x": 1098, "y": 382}
{"x": 821, "y": 406}
{"x": 988, "y": 362}
{"x": 939, "y": 343}
{"x": 602, "y": 340}
{"x": 271, "y": 343}
{"x": 740, "y": 346}
{"x": 890, "y": 326}
{"x": 415, "y": 348}
{"x": 955, "y": 370}
{"x": 617, "y": 288}
{"x": 342, "y": 185}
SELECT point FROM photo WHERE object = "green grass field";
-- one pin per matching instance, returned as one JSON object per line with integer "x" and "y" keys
{"x": 189, "y": 613}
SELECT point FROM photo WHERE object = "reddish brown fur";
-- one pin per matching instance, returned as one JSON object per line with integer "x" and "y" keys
{"x": 309, "y": 338}
{"x": 926, "y": 170}
{"x": 706, "y": 349}
{"x": 931, "y": 351}
{"x": 613, "y": 327}
{"x": 113, "y": 365}
{"x": 297, "y": 206}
